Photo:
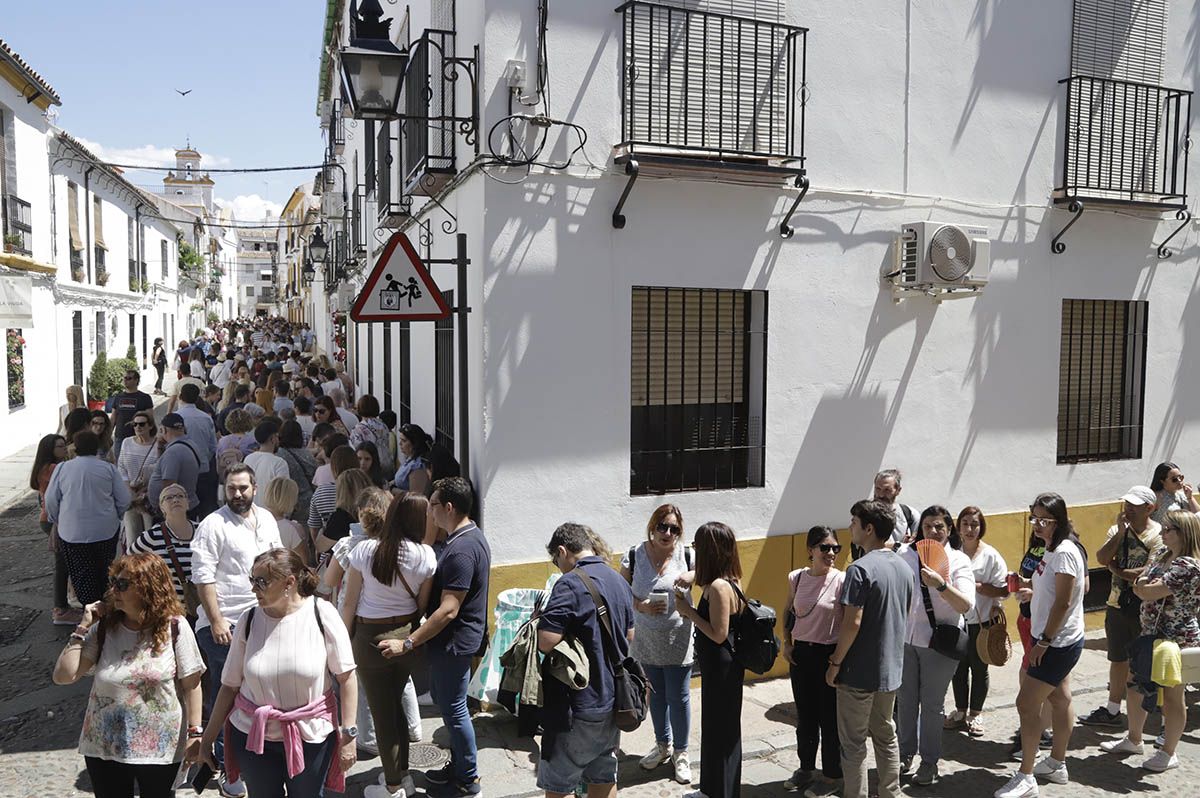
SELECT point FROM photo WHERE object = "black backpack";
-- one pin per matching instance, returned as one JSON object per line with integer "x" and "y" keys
{"x": 755, "y": 646}
{"x": 631, "y": 688}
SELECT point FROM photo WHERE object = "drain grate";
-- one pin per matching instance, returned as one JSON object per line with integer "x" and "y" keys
{"x": 13, "y": 621}
{"x": 426, "y": 756}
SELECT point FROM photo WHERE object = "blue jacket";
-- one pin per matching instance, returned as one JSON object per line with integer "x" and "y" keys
{"x": 87, "y": 499}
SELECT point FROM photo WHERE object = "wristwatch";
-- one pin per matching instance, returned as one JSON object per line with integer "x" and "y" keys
{"x": 942, "y": 587}
{"x": 350, "y": 731}
{"x": 408, "y": 645}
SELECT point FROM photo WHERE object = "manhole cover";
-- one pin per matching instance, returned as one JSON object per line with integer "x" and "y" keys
{"x": 426, "y": 756}
{"x": 13, "y": 621}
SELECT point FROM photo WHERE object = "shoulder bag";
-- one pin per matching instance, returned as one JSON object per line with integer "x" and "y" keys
{"x": 1127, "y": 600}
{"x": 949, "y": 640}
{"x": 191, "y": 596}
{"x": 631, "y": 688}
{"x": 993, "y": 644}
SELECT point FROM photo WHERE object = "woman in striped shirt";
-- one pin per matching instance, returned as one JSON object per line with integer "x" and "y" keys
{"x": 172, "y": 535}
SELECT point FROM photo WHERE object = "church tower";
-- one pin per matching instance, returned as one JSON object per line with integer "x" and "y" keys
{"x": 187, "y": 185}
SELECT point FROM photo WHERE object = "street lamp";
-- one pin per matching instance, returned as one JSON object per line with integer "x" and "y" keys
{"x": 318, "y": 248}
{"x": 372, "y": 66}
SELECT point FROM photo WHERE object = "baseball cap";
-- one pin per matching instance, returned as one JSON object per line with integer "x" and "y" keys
{"x": 1139, "y": 494}
{"x": 173, "y": 421}
{"x": 289, "y": 367}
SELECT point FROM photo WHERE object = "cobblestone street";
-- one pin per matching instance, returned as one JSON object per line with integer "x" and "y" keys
{"x": 39, "y": 722}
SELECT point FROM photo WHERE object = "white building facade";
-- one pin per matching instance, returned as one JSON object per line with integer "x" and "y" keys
{"x": 641, "y": 331}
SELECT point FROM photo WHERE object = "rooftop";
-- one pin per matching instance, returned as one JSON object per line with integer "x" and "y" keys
{"x": 43, "y": 87}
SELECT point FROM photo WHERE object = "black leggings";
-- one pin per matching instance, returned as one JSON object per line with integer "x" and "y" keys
{"x": 974, "y": 668}
{"x": 816, "y": 709}
{"x": 160, "y": 368}
{"x": 115, "y": 779}
{"x": 60, "y": 570}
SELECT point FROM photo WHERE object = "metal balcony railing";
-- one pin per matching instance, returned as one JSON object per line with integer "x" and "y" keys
{"x": 428, "y": 129}
{"x": 713, "y": 86}
{"x": 20, "y": 226}
{"x": 1125, "y": 142}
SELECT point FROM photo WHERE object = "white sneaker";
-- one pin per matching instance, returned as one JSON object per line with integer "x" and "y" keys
{"x": 1161, "y": 761}
{"x": 659, "y": 755}
{"x": 381, "y": 791}
{"x": 683, "y": 767}
{"x": 1122, "y": 746}
{"x": 230, "y": 789}
{"x": 407, "y": 784}
{"x": 1052, "y": 771}
{"x": 415, "y": 735}
{"x": 1018, "y": 786}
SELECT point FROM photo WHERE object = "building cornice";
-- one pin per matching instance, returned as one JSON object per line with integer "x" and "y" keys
{"x": 32, "y": 86}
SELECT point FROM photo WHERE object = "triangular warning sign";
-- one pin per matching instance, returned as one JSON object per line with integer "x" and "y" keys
{"x": 399, "y": 288}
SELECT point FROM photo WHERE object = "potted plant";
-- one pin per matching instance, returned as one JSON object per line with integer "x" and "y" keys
{"x": 101, "y": 278}
{"x": 144, "y": 285}
{"x": 97, "y": 383}
{"x": 12, "y": 242}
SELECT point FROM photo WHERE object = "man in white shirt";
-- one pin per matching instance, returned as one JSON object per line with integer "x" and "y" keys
{"x": 331, "y": 382}
{"x": 223, "y": 551}
{"x": 886, "y": 489}
{"x": 222, "y": 372}
{"x": 266, "y": 464}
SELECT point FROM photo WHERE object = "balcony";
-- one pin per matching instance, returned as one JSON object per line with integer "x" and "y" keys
{"x": 430, "y": 118}
{"x": 337, "y": 130}
{"x": 266, "y": 296}
{"x": 712, "y": 94}
{"x": 18, "y": 234}
{"x": 1125, "y": 144}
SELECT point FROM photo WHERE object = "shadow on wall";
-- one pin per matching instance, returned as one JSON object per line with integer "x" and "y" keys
{"x": 1005, "y": 28}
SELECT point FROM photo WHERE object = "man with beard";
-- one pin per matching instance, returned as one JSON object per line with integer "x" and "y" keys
{"x": 223, "y": 550}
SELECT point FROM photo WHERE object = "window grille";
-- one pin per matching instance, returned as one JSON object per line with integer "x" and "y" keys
{"x": 164, "y": 254}
{"x": 20, "y": 224}
{"x": 77, "y": 345}
{"x": 370, "y": 361}
{"x": 383, "y": 180}
{"x": 369, "y": 166}
{"x": 387, "y": 366}
{"x": 443, "y": 333}
{"x": 698, "y": 382}
{"x": 1102, "y": 379}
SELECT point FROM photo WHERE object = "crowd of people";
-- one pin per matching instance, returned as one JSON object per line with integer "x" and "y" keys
{"x": 265, "y": 570}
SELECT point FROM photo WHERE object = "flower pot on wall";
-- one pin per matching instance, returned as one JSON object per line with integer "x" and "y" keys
{"x": 95, "y": 404}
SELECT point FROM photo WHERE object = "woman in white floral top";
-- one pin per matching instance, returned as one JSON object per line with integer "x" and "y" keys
{"x": 146, "y": 660}
{"x": 1170, "y": 592}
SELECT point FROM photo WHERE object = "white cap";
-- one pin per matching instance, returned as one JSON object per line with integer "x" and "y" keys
{"x": 1139, "y": 494}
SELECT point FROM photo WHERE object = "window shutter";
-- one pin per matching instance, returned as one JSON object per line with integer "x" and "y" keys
{"x": 1119, "y": 39}
{"x": 73, "y": 217}
{"x": 98, "y": 215}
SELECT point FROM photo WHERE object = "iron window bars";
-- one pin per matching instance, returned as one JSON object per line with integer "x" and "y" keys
{"x": 697, "y": 387}
{"x": 1102, "y": 380}
{"x": 443, "y": 357}
{"x": 20, "y": 225}
{"x": 704, "y": 88}
{"x": 1125, "y": 143}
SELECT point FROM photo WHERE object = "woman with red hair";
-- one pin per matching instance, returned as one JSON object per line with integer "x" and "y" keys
{"x": 147, "y": 681}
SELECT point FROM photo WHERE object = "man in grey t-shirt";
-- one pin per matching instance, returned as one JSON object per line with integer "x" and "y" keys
{"x": 179, "y": 463}
{"x": 868, "y": 664}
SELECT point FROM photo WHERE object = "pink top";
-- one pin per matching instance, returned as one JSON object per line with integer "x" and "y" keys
{"x": 817, "y": 607}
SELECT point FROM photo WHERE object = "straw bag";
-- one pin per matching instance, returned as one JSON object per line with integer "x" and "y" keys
{"x": 993, "y": 645}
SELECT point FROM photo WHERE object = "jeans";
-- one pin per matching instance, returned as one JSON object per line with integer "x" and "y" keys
{"x": 671, "y": 703}
{"x": 159, "y": 368}
{"x": 862, "y": 713}
{"x": 266, "y": 774}
{"x": 449, "y": 675}
{"x": 927, "y": 674}
{"x": 214, "y": 657}
{"x": 971, "y": 679}
{"x": 60, "y": 569}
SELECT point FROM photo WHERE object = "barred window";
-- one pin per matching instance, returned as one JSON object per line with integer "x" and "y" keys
{"x": 698, "y": 385}
{"x": 1102, "y": 380}
{"x": 443, "y": 366}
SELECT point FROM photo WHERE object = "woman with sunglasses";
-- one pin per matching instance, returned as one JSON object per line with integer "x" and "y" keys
{"x": 101, "y": 424}
{"x": 1170, "y": 592}
{"x": 662, "y": 639}
{"x": 284, "y": 725}
{"x": 52, "y": 450}
{"x": 1058, "y": 586}
{"x": 139, "y": 453}
{"x": 325, "y": 411}
{"x": 938, "y": 599}
{"x": 1173, "y": 490}
{"x": 813, "y": 599}
{"x": 171, "y": 541}
{"x": 971, "y": 678}
{"x": 145, "y": 686}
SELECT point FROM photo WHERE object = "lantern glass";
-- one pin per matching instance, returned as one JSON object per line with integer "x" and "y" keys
{"x": 373, "y": 76}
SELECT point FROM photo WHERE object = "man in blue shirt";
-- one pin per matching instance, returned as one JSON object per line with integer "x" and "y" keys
{"x": 456, "y": 631}
{"x": 585, "y": 748}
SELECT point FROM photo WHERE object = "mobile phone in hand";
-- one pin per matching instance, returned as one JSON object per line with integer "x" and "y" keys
{"x": 203, "y": 776}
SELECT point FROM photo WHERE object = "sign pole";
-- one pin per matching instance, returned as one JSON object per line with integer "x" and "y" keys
{"x": 464, "y": 393}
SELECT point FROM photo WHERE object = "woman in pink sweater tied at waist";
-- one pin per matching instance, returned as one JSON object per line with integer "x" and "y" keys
{"x": 284, "y": 726}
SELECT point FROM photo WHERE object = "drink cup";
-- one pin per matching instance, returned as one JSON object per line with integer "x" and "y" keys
{"x": 658, "y": 598}
{"x": 1014, "y": 582}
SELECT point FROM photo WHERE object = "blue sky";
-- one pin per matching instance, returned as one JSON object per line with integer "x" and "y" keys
{"x": 251, "y": 66}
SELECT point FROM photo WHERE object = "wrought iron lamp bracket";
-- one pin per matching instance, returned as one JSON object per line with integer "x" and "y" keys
{"x": 785, "y": 228}
{"x": 1184, "y": 216}
{"x": 451, "y": 67}
{"x": 1056, "y": 246}
{"x": 632, "y": 169}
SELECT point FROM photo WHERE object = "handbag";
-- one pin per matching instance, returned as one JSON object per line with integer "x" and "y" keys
{"x": 191, "y": 596}
{"x": 993, "y": 644}
{"x": 1127, "y": 600}
{"x": 631, "y": 688}
{"x": 947, "y": 639}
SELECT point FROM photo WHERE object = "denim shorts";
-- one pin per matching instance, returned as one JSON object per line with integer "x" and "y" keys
{"x": 1056, "y": 664}
{"x": 586, "y": 754}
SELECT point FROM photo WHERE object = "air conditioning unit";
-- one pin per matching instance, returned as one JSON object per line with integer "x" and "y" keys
{"x": 937, "y": 255}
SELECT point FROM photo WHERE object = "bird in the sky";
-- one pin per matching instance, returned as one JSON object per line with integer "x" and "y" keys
{"x": 184, "y": 93}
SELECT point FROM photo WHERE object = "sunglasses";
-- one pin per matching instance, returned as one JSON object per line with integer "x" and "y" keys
{"x": 672, "y": 529}
{"x": 118, "y": 584}
{"x": 1042, "y": 522}
{"x": 259, "y": 582}
{"x": 141, "y": 423}
{"x": 829, "y": 548}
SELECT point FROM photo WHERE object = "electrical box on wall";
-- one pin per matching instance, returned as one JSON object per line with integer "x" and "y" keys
{"x": 516, "y": 75}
